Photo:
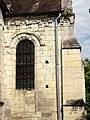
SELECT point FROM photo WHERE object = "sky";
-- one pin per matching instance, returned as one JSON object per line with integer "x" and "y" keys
{"x": 82, "y": 25}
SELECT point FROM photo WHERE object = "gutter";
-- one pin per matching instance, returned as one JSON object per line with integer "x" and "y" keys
{"x": 51, "y": 13}
{"x": 57, "y": 67}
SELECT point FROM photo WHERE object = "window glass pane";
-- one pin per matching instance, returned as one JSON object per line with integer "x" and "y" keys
{"x": 25, "y": 65}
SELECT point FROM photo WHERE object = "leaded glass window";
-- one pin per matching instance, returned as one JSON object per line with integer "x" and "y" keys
{"x": 25, "y": 65}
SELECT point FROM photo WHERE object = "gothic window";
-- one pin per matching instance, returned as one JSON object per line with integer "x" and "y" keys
{"x": 25, "y": 65}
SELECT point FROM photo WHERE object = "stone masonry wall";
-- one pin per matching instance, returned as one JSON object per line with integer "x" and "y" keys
{"x": 66, "y": 4}
{"x": 1, "y": 60}
{"x": 73, "y": 88}
{"x": 73, "y": 73}
{"x": 41, "y": 103}
{"x": 38, "y": 104}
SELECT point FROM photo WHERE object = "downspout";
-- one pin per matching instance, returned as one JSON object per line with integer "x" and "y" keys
{"x": 62, "y": 117}
{"x": 57, "y": 67}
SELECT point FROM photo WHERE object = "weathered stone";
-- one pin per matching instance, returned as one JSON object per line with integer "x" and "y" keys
{"x": 40, "y": 103}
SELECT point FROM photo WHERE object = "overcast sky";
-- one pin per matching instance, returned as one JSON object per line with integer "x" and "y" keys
{"x": 82, "y": 25}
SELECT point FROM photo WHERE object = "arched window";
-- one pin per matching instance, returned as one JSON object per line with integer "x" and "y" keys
{"x": 25, "y": 65}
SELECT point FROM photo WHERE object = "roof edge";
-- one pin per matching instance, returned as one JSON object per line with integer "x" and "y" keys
{"x": 50, "y": 13}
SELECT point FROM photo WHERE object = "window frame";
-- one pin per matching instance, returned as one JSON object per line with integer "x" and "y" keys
{"x": 23, "y": 87}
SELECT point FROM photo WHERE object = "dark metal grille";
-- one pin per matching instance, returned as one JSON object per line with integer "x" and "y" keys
{"x": 25, "y": 65}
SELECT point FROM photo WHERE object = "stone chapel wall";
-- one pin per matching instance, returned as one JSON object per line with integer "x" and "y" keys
{"x": 41, "y": 103}
{"x": 38, "y": 104}
{"x": 1, "y": 60}
{"x": 66, "y": 4}
{"x": 73, "y": 71}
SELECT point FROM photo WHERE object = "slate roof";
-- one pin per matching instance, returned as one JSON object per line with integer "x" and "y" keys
{"x": 71, "y": 43}
{"x": 33, "y": 6}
